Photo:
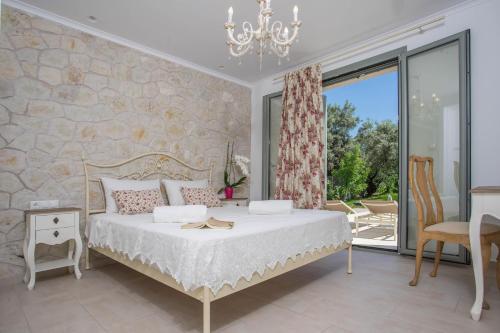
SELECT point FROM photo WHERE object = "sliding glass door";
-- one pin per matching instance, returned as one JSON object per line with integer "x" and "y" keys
{"x": 272, "y": 121}
{"x": 433, "y": 120}
{"x": 437, "y": 125}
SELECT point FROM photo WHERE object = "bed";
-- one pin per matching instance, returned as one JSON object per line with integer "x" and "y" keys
{"x": 206, "y": 264}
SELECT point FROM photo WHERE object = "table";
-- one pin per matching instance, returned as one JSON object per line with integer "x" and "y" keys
{"x": 51, "y": 227}
{"x": 235, "y": 202}
{"x": 485, "y": 201}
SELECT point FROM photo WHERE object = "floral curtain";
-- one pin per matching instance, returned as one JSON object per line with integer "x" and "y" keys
{"x": 299, "y": 169}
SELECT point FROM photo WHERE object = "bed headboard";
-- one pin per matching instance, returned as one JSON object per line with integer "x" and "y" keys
{"x": 154, "y": 165}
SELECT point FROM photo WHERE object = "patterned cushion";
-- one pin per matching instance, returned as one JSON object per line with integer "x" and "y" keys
{"x": 136, "y": 202}
{"x": 200, "y": 196}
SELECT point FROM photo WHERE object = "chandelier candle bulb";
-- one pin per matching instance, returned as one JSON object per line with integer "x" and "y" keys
{"x": 230, "y": 15}
{"x": 295, "y": 13}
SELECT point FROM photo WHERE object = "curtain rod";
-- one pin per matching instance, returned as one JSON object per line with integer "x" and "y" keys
{"x": 377, "y": 42}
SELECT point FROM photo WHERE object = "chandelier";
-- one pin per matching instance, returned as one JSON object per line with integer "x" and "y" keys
{"x": 273, "y": 38}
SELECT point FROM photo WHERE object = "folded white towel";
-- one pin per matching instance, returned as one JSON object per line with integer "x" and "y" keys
{"x": 180, "y": 214}
{"x": 270, "y": 207}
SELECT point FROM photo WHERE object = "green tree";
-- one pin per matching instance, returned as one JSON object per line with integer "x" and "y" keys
{"x": 379, "y": 147}
{"x": 340, "y": 121}
{"x": 351, "y": 175}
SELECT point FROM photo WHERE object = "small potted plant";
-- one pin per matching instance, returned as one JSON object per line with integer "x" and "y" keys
{"x": 233, "y": 161}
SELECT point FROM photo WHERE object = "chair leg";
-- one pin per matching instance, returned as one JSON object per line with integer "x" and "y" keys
{"x": 486, "y": 253}
{"x": 437, "y": 257}
{"x": 418, "y": 261}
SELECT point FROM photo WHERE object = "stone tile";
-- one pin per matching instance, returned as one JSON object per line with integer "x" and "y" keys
{"x": 9, "y": 182}
{"x": 45, "y": 109}
{"x": 10, "y": 132}
{"x": 4, "y": 115}
{"x": 9, "y": 67}
{"x": 52, "y": 41}
{"x": 95, "y": 81}
{"x": 54, "y": 58}
{"x": 4, "y": 200}
{"x": 78, "y": 95}
{"x": 100, "y": 67}
{"x": 50, "y": 75}
{"x": 28, "y": 55}
{"x": 45, "y": 25}
{"x": 73, "y": 44}
{"x": 31, "y": 88}
{"x": 6, "y": 88}
{"x": 81, "y": 61}
{"x": 12, "y": 160}
{"x": 24, "y": 142}
{"x": 49, "y": 144}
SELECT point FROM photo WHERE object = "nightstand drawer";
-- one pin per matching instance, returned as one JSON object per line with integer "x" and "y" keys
{"x": 54, "y": 221}
{"x": 54, "y": 236}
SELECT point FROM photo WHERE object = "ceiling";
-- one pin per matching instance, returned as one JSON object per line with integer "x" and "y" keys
{"x": 193, "y": 29}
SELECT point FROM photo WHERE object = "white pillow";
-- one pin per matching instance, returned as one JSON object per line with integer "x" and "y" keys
{"x": 173, "y": 189}
{"x": 113, "y": 184}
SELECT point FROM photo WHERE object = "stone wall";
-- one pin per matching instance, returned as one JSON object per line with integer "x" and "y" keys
{"x": 64, "y": 93}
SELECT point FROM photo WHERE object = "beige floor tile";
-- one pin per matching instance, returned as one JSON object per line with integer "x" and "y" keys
{"x": 148, "y": 324}
{"x": 78, "y": 326}
{"x": 12, "y": 318}
{"x": 56, "y": 315}
{"x": 116, "y": 307}
{"x": 271, "y": 318}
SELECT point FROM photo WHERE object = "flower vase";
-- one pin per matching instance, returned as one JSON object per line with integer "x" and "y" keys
{"x": 229, "y": 192}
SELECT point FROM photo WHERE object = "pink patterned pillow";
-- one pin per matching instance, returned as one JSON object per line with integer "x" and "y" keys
{"x": 200, "y": 196}
{"x": 136, "y": 202}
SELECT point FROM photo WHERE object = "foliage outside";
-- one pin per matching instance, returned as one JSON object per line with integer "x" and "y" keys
{"x": 364, "y": 165}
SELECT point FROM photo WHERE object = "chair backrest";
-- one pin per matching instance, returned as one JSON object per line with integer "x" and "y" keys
{"x": 380, "y": 206}
{"x": 424, "y": 191}
{"x": 339, "y": 206}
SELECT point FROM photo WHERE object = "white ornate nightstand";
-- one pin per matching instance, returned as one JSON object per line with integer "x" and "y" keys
{"x": 51, "y": 226}
{"x": 234, "y": 202}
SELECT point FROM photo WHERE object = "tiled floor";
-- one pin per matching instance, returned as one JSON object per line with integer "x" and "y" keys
{"x": 317, "y": 298}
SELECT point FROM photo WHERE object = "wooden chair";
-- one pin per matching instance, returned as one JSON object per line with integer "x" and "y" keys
{"x": 430, "y": 220}
{"x": 340, "y": 206}
{"x": 382, "y": 212}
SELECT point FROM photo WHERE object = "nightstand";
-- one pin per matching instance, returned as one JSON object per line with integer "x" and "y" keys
{"x": 51, "y": 226}
{"x": 234, "y": 202}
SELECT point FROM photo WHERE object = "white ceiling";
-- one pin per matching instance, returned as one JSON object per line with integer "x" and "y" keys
{"x": 193, "y": 30}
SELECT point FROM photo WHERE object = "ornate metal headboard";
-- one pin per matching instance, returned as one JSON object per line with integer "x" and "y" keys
{"x": 145, "y": 166}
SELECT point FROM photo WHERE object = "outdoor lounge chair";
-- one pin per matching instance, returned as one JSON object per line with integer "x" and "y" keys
{"x": 340, "y": 206}
{"x": 382, "y": 212}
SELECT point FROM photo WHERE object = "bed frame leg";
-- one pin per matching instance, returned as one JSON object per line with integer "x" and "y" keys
{"x": 87, "y": 257}
{"x": 349, "y": 259}
{"x": 206, "y": 310}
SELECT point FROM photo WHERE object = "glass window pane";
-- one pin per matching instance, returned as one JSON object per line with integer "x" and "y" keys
{"x": 434, "y": 127}
{"x": 275, "y": 109}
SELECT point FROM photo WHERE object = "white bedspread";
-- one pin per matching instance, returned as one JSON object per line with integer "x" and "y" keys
{"x": 212, "y": 258}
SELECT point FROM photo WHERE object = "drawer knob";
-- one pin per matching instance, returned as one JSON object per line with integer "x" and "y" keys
{"x": 56, "y": 233}
{"x": 56, "y": 220}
